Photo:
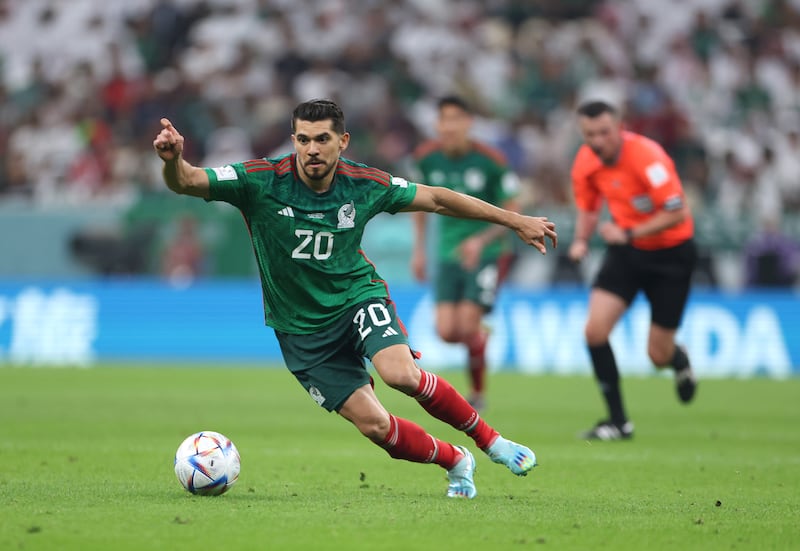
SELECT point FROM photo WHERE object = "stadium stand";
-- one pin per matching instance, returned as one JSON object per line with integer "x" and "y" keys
{"x": 716, "y": 81}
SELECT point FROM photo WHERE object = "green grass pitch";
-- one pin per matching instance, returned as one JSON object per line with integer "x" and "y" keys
{"x": 87, "y": 463}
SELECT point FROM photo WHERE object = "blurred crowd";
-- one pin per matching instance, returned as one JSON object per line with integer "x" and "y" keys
{"x": 84, "y": 83}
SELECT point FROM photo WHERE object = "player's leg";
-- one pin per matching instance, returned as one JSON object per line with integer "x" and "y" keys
{"x": 667, "y": 289}
{"x": 475, "y": 337}
{"x": 460, "y": 322}
{"x": 661, "y": 346}
{"x": 605, "y": 310}
{"x": 451, "y": 287}
{"x": 614, "y": 289}
{"x": 403, "y": 439}
{"x": 330, "y": 366}
{"x": 480, "y": 292}
{"x": 436, "y": 395}
{"x": 664, "y": 352}
{"x": 447, "y": 327}
{"x": 378, "y": 335}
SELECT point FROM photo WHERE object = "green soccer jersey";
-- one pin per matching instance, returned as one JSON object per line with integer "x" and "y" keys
{"x": 483, "y": 173}
{"x": 308, "y": 245}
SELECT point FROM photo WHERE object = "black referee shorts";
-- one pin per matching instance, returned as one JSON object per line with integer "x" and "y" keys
{"x": 664, "y": 275}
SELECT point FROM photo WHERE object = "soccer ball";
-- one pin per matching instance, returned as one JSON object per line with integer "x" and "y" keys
{"x": 207, "y": 463}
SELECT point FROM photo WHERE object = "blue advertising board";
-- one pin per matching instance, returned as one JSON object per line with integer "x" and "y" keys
{"x": 82, "y": 323}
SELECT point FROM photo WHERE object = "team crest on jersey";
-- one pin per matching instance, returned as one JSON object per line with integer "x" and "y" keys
{"x": 316, "y": 395}
{"x": 347, "y": 216}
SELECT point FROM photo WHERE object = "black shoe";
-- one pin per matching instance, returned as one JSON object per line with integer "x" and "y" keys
{"x": 685, "y": 384}
{"x": 606, "y": 430}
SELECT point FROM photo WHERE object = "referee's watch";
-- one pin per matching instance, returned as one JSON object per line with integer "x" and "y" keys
{"x": 629, "y": 234}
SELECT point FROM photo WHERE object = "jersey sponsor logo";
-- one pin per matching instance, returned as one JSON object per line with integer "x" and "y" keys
{"x": 402, "y": 182}
{"x": 347, "y": 216}
{"x": 316, "y": 395}
{"x": 642, "y": 203}
{"x": 316, "y": 215}
{"x": 657, "y": 173}
{"x": 286, "y": 211}
{"x": 224, "y": 173}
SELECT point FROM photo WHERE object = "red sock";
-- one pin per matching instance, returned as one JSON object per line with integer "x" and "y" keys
{"x": 476, "y": 350}
{"x": 409, "y": 441}
{"x": 440, "y": 399}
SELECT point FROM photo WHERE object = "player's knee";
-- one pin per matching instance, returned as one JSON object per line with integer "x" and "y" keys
{"x": 660, "y": 354}
{"x": 448, "y": 334}
{"x": 375, "y": 427}
{"x": 595, "y": 336}
{"x": 403, "y": 378}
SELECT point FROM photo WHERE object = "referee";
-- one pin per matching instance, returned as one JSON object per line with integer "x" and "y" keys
{"x": 650, "y": 248}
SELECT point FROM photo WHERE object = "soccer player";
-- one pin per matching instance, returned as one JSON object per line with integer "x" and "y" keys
{"x": 468, "y": 251}
{"x": 329, "y": 308}
{"x": 650, "y": 248}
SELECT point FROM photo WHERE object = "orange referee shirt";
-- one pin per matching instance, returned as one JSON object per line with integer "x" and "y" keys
{"x": 642, "y": 182}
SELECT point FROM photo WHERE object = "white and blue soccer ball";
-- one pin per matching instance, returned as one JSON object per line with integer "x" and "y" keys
{"x": 207, "y": 463}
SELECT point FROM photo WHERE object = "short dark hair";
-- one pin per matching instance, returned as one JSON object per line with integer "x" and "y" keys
{"x": 596, "y": 108}
{"x": 319, "y": 110}
{"x": 455, "y": 101}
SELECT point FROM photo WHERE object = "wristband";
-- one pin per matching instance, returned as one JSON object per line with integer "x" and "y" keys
{"x": 629, "y": 234}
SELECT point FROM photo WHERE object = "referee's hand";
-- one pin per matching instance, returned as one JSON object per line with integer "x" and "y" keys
{"x": 578, "y": 250}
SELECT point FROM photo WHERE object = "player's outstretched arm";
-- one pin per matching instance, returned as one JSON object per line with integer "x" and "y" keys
{"x": 532, "y": 230}
{"x": 180, "y": 176}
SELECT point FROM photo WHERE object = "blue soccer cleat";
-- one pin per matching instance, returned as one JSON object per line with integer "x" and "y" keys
{"x": 460, "y": 476}
{"x": 519, "y": 459}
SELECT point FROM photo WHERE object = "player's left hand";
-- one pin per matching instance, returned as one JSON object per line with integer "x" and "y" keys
{"x": 535, "y": 230}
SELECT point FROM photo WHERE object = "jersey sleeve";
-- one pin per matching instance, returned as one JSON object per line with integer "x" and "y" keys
{"x": 398, "y": 195}
{"x": 654, "y": 167}
{"x": 587, "y": 196}
{"x": 229, "y": 184}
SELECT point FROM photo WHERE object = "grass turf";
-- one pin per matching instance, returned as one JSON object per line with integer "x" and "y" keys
{"x": 87, "y": 464}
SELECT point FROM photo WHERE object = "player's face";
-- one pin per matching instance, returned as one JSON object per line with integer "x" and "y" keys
{"x": 453, "y": 127}
{"x": 603, "y": 135}
{"x": 318, "y": 148}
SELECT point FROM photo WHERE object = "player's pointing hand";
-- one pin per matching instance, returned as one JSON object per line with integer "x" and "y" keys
{"x": 169, "y": 142}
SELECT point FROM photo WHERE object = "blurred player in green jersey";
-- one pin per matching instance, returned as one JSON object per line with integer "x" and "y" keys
{"x": 306, "y": 213}
{"x": 470, "y": 254}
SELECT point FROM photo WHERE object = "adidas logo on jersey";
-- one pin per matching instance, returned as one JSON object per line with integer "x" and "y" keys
{"x": 286, "y": 211}
{"x": 389, "y": 332}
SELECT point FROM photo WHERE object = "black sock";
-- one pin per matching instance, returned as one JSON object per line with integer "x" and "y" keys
{"x": 680, "y": 360}
{"x": 607, "y": 375}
